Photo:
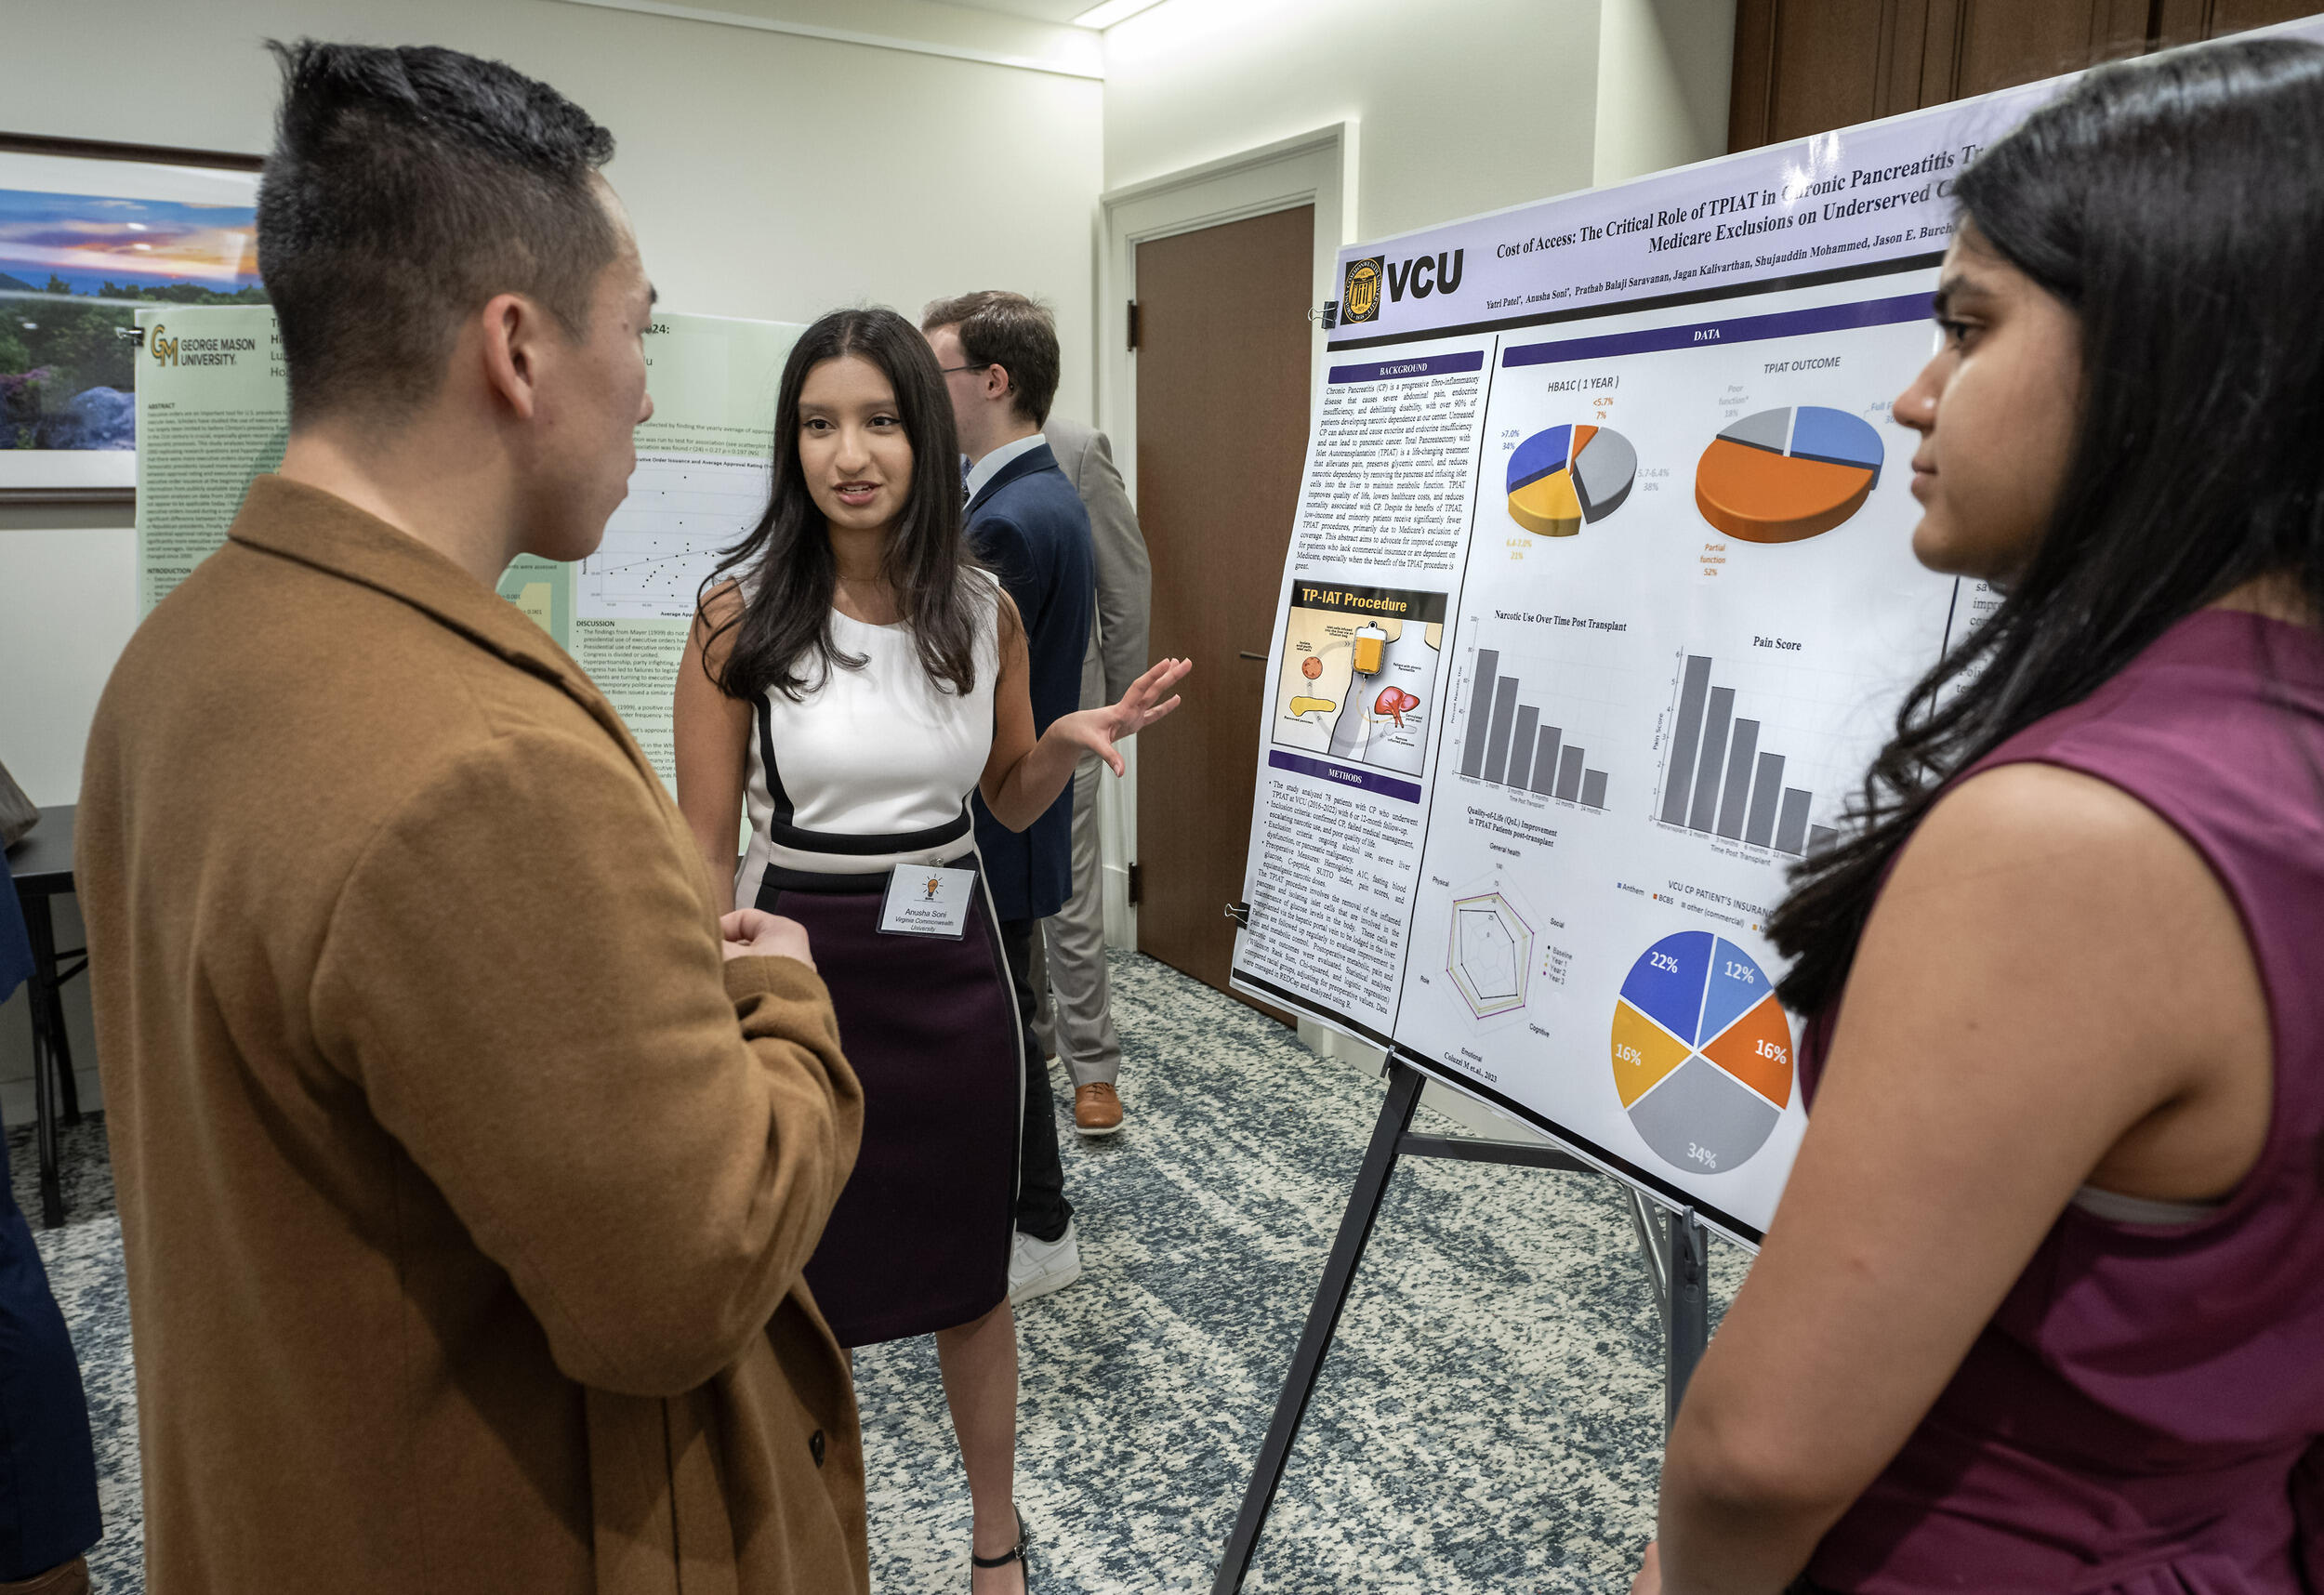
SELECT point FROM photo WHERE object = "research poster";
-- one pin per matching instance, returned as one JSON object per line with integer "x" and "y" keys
{"x": 213, "y": 411}
{"x": 703, "y": 462}
{"x": 1598, "y": 601}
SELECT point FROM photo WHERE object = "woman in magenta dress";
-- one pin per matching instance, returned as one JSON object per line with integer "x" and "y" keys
{"x": 2042, "y": 1307}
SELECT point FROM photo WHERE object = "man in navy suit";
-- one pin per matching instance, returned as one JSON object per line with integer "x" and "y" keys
{"x": 1000, "y": 355}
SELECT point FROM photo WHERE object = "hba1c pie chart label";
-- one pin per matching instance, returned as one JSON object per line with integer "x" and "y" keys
{"x": 1783, "y": 476}
{"x": 1702, "y": 1052}
{"x": 1567, "y": 476}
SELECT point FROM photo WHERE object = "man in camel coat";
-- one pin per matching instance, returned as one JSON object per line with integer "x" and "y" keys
{"x": 466, "y": 1161}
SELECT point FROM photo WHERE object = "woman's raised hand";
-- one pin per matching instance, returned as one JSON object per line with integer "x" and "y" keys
{"x": 1101, "y": 729}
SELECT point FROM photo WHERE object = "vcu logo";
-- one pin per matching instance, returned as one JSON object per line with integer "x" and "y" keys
{"x": 1421, "y": 276}
{"x": 1426, "y": 274}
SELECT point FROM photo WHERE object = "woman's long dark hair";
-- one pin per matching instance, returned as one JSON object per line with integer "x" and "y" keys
{"x": 2176, "y": 205}
{"x": 783, "y": 635}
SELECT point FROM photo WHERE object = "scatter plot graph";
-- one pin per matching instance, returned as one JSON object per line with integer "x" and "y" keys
{"x": 1701, "y": 1052}
{"x": 645, "y": 567}
{"x": 1491, "y": 953}
{"x": 682, "y": 513}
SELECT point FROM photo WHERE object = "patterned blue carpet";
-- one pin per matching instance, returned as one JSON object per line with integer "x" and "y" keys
{"x": 1489, "y": 1419}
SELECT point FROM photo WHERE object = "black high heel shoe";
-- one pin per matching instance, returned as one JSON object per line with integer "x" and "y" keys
{"x": 1014, "y": 1553}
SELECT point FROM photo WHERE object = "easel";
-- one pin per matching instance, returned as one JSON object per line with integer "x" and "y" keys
{"x": 1673, "y": 1247}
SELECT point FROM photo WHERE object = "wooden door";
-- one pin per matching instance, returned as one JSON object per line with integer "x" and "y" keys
{"x": 1222, "y": 391}
{"x": 1804, "y": 67}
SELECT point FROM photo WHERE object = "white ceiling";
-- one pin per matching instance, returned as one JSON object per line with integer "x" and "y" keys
{"x": 1037, "y": 11}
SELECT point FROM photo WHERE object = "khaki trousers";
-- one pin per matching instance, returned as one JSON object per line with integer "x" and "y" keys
{"x": 1074, "y": 1018}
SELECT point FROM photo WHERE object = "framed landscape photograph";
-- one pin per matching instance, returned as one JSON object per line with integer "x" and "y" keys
{"x": 90, "y": 232}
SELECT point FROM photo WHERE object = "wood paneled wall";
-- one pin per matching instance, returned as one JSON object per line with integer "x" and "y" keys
{"x": 1804, "y": 67}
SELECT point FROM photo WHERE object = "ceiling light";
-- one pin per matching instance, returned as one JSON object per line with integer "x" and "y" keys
{"x": 1113, "y": 11}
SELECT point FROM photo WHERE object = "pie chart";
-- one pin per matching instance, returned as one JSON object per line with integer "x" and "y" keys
{"x": 1567, "y": 476}
{"x": 1702, "y": 1052}
{"x": 1782, "y": 476}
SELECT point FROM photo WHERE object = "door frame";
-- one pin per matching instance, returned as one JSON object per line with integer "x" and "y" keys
{"x": 1313, "y": 168}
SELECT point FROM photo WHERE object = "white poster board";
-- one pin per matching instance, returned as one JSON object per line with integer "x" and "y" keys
{"x": 1599, "y": 601}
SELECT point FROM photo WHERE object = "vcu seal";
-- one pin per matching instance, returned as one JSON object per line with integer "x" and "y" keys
{"x": 1359, "y": 293}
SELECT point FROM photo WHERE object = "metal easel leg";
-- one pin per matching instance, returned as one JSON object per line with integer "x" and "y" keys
{"x": 1646, "y": 1224}
{"x": 1675, "y": 1251}
{"x": 1322, "y": 1320}
{"x": 1686, "y": 1321}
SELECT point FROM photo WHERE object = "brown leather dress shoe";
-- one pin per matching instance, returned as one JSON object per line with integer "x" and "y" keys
{"x": 71, "y": 1578}
{"x": 1097, "y": 1111}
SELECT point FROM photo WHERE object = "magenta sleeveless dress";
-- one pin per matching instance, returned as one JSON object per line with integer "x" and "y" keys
{"x": 2143, "y": 1414}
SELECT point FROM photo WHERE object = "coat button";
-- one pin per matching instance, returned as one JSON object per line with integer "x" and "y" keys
{"x": 814, "y": 1446}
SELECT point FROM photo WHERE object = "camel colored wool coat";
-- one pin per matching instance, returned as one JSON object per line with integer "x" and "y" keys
{"x": 464, "y": 1190}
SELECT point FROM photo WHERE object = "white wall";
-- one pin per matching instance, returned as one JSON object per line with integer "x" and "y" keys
{"x": 767, "y": 175}
{"x": 1466, "y": 105}
{"x": 68, "y": 602}
{"x": 1664, "y": 67}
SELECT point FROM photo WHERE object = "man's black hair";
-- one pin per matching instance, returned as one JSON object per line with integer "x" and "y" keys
{"x": 407, "y": 187}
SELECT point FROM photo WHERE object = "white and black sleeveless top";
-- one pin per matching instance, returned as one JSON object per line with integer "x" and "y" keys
{"x": 871, "y": 769}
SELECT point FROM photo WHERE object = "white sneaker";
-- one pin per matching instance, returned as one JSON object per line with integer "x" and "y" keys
{"x": 1035, "y": 1268}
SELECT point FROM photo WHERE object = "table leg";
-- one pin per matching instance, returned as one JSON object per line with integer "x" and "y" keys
{"x": 41, "y": 1001}
{"x": 43, "y": 938}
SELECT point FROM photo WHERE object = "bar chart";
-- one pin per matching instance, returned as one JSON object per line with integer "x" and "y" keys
{"x": 1507, "y": 744}
{"x": 1718, "y": 781}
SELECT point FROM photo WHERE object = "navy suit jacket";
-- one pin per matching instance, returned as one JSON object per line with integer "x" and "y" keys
{"x": 47, "y": 1463}
{"x": 1028, "y": 524}
{"x": 16, "y": 944}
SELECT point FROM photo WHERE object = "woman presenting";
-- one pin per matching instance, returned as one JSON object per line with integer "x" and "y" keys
{"x": 849, "y": 689}
{"x": 2042, "y": 1307}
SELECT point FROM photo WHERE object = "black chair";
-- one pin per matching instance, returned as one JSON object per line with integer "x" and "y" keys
{"x": 41, "y": 864}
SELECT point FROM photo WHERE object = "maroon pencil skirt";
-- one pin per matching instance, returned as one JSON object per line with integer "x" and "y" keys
{"x": 921, "y": 1238}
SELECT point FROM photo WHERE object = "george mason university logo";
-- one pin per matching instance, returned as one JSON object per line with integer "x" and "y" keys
{"x": 1359, "y": 292}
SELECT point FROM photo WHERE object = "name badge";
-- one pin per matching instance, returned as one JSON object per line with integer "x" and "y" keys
{"x": 927, "y": 900}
